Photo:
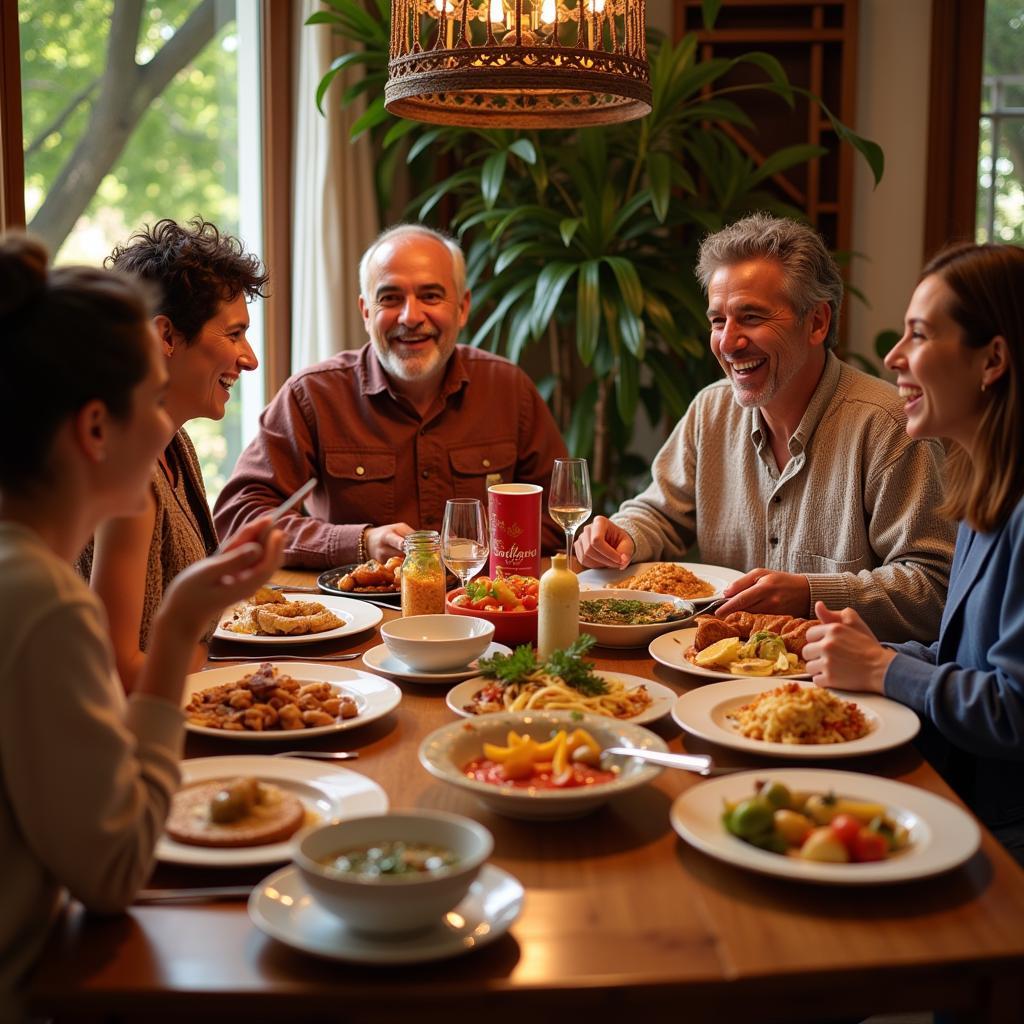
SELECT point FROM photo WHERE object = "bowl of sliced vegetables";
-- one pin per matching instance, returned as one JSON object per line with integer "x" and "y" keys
{"x": 508, "y": 602}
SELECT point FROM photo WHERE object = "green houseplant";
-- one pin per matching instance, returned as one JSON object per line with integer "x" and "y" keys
{"x": 585, "y": 244}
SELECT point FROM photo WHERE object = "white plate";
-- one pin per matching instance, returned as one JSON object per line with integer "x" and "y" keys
{"x": 639, "y": 635}
{"x": 662, "y": 698}
{"x": 380, "y": 659}
{"x": 670, "y": 650}
{"x": 355, "y": 615}
{"x": 703, "y": 712}
{"x": 717, "y": 575}
{"x": 327, "y": 791}
{"x": 282, "y": 907}
{"x": 374, "y": 697}
{"x": 941, "y": 834}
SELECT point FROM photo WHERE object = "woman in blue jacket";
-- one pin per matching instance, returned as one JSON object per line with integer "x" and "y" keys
{"x": 959, "y": 367}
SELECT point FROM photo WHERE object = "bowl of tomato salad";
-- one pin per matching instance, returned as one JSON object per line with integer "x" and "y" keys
{"x": 540, "y": 765}
{"x": 508, "y": 602}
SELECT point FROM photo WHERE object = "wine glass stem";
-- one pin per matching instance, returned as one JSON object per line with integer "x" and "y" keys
{"x": 568, "y": 548}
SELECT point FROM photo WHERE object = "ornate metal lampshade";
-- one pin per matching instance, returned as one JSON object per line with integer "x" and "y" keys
{"x": 518, "y": 63}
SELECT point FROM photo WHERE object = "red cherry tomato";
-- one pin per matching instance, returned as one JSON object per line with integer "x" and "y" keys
{"x": 529, "y": 602}
{"x": 846, "y": 828}
{"x": 869, "y": 845}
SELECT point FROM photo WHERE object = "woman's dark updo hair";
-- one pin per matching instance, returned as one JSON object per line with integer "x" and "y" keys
{"x": 68, "y": 336}
{"x": 195, "y": 267}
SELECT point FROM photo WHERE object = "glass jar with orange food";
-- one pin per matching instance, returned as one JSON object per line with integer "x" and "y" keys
{"x": 422, "y": 574}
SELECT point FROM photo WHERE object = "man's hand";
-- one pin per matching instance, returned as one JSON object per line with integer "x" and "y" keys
{"x": 768, "y": 593}
{"x": 842, "y": 652}
{"x": 603, "y": 545}
{"x": 383, "y": 542}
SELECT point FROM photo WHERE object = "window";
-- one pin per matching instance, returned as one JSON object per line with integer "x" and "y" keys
{"x": 1000, "y": 216}
{"x": 128, "y": 119}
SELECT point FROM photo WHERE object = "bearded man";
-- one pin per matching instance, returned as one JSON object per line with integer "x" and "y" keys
{"x": 796, "y": 468}
{"x": 395, "y": 429}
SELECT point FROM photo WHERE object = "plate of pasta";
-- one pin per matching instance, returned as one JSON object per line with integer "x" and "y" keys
{"x": 795, "y": 720}
{"x": 628, "y": 698}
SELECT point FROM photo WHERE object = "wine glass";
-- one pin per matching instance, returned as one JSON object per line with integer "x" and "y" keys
{"x": 569, "y": 502}
{"x": 464, "y": 541}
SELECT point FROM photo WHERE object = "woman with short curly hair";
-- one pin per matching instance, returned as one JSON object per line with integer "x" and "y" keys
{"x": 204, "y": 280}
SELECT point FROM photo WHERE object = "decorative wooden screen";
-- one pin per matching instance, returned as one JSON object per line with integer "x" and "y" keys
{"x": 816, "y": 42}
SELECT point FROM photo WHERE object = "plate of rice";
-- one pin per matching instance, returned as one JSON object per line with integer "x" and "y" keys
{"x": 794, "y": 720}
{"x": 691, "y": 581}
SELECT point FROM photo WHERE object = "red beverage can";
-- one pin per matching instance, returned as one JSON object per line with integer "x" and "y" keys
{"x": 514, "y": 514}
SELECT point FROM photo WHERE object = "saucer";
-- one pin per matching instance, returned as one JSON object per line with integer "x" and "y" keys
{"x": 281, "y": 907}
{"x": 380, "y": 659}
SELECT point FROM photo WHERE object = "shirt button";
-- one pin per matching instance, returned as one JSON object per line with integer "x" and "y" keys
{"x": 487, "y": 463}
{"x": 773, "y": 541}
{"x": 360, "y": 471}
{"x": 425, "y": 474}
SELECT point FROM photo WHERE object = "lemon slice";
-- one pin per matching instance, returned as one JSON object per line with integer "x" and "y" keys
{"x": 720, "y": 653}
{"x": 752, "y": 667}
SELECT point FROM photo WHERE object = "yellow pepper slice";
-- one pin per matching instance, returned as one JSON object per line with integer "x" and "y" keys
{"x": 582, "y": 738}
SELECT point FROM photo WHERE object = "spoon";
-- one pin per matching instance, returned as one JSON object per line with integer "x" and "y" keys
{"x": 699, "y": 763}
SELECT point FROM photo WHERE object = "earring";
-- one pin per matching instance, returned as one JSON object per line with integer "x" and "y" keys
{"x": 983, "y": 387}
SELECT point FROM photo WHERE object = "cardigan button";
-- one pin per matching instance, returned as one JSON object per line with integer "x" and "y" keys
{"x": 360, "y": 471}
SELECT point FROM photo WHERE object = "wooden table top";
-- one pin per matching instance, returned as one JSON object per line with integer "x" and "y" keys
{"x": 619, "y": 913}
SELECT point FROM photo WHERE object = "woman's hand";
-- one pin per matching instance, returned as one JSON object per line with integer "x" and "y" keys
{"x": 843, "y": 653}
{"x": 203, "y": 590}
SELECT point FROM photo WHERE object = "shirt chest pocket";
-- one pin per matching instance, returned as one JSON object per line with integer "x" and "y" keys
{"x": 475, "y": 467}
{"x": 362, "y": 484}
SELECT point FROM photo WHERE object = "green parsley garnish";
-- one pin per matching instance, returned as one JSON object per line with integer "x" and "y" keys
{"x": 567, "y": 663}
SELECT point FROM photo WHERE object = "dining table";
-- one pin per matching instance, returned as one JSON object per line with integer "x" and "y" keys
{"x": 620, "y": 915}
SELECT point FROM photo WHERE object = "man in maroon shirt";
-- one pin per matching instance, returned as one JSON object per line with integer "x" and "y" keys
{"x": 393, "y": 430}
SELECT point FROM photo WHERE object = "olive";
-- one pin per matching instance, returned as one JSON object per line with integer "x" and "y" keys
{"x": 234, "y": 801}
{"x": 776, "y": 794}
{"x": 753, "y": 817}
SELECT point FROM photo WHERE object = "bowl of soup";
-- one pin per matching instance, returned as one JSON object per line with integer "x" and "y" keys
{"x": 391, "y": 873}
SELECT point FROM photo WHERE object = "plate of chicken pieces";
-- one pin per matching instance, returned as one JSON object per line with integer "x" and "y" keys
{"x": 737, "y": 646}
{"x": 279, "y": 617}
{"x": 278, "y": 701}
{"x": 381, "y": 580}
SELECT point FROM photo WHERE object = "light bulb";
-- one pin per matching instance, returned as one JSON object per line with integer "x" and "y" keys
{"x": 497, "y": 13}
{"x": 548, "y": 12}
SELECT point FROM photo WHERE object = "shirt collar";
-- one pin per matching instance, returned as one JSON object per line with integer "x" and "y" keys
{"x": 373, "y": 380}
{"x": 812, "y": 414}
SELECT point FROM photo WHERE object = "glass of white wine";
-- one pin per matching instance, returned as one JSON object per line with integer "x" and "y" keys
{"x": 569, "y": 502}
{"x": 464, "y": 542}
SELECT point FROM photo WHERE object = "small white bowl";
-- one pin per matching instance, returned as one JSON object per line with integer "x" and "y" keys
{"x": 446, "y": 752}
{"x": 437, "y": 643}
{"x": 638, "y": 635}
{"x": 392, "y": 904}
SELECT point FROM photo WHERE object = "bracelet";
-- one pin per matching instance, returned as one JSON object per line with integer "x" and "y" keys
{"x": 361, "y": 553}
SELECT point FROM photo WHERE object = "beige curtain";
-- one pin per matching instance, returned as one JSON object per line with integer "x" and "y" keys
{"x": 334, "y": 210}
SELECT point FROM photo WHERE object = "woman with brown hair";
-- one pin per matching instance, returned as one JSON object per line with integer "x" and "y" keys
{"x": 959, "y": 368}
{"x": 86, "y": 775}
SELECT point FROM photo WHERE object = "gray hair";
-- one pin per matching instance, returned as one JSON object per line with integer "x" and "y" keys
{"x": 811, "y": 274}
{"x": 399, "y": 231}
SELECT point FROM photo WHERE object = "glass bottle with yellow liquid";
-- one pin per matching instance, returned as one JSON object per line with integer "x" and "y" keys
{"x": 422, "y": 574}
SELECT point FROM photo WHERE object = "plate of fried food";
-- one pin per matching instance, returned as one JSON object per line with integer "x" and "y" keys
{"x": 795, "y": 719}
{"x": 278, "y": 617}
{"x": 241, "y": 811}
{"x": 691, "y": 581}
{"x": 284, "y": 701}
{"x": 371, "y": 579}
{"x": 737, "y": 646}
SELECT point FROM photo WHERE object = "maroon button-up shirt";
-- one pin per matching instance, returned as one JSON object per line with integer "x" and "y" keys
{"x": 379, "y": 461}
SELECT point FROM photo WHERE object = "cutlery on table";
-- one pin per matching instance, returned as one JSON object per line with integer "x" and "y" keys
{"x": 699, "y": 763}
{"x": 283, "y": 657}
{"x": 197, "y": 894}
{"x": 321, "y": 755}
{"x": 316, "y": 590}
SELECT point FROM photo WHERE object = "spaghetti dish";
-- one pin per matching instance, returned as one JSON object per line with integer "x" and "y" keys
{"x": 667, "y": 578}
{"x": 541, "y": 691}
{"x": 562, "y": 682}
{"x": 800, "y": 714}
